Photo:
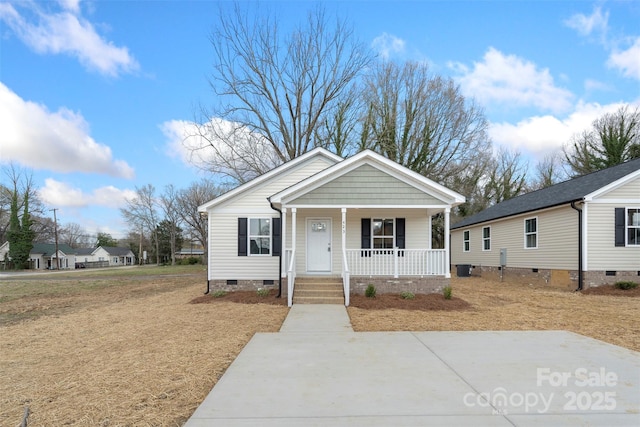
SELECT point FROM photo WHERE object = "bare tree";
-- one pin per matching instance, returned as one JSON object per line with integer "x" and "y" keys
{"x": 188, "y": 200}
{"x": 422, "y": 121}
{"x": 549, "y": 171}
{"x": 277, "y": 87}
{"x": 74, "y": 235}
{"x": 508, "y": 176}
{"x": 142, "y": 213}
{"x": 613, "y": 139}
{"x": 169, "y": 205}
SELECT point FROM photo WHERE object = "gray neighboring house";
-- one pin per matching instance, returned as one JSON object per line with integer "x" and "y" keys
{"x": 579, "y": 233}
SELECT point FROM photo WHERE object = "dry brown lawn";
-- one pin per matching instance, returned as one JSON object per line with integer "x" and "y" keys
{"x": 131, "y": 350}
{"x": 509, "y": 306}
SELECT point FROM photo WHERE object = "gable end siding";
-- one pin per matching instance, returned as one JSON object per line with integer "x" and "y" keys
{"x": 366, "y": 185}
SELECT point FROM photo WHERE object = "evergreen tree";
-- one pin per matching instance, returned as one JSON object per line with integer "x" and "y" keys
{"x": 20, "y": 236}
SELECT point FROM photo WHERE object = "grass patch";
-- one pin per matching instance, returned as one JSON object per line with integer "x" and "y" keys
{"x": 624, "y": 285}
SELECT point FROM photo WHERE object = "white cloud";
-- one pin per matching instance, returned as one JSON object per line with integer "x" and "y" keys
{"x": 62, "y": 194}
{"x": 541, "y": 135}
{"x": 513, "y": 81}
{"x": 57, "y": 141}
{"x": 388, "y": 45}
{"x": 586, "y": 25}
{"x": 627, "y": 61}
{"x": 69, "y": 33}
{"x": 235, "y": 150}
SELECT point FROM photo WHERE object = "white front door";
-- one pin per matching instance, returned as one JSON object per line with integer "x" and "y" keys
{"x": 319, "y": 245}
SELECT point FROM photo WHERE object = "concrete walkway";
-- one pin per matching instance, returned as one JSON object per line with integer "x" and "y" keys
{"x": 317, "y": 372}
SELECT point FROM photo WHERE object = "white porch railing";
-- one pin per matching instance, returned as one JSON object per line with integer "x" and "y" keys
{"x": 397, "y": 262}
{"x": 291, "y": 274}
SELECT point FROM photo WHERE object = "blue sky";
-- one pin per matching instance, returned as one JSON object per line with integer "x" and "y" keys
{"x": 92, "y": 92}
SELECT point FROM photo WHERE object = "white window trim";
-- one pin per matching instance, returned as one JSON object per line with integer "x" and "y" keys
{"x": 484, "y": 239}
{"x": 249, "y": 235}
{"x": 536, "y": 233}
{"x": 373, "y": 236}
{"x": 627, "y": 227}
{"x": 466, "y": 248}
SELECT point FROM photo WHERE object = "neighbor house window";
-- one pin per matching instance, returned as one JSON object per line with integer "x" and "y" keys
{"x": 466, "y": 240}
{"x": 531, "y": 233}
{"x": 260, "y": 236}
{"x": 486, "y": 238}
{"x": 633, "y": 227}
{"x": 382, "y": 231}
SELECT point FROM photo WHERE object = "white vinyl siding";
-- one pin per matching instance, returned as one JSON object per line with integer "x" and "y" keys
{"x": 557, "y": 242}
{"x": 256, "y": 197}
{"x": 602, "y": 253}
{"x": 628, "y": 191}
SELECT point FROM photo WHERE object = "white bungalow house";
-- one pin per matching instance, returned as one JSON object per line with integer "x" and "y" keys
{"x": 361, "y": 220}
{"x": 579, "y": 233}
{"x": 105, "y": 256}
{"x": 43, "y": 256}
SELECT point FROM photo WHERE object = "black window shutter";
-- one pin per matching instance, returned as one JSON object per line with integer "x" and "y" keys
{"x": 242, "y": 236}
{"x": 277, "y": 237}
{"x": 365, "y": 242}
{"x": 620, "y": 226}
{"x": 400, "y": 235}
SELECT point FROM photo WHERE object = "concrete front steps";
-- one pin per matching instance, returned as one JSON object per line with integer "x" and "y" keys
{"x": 318, "y": 290}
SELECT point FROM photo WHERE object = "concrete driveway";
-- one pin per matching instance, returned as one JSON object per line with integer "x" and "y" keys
{"x": 317, "y": 372}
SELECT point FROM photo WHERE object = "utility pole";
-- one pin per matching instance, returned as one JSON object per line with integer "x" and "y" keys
{"x": 55, "y": 231}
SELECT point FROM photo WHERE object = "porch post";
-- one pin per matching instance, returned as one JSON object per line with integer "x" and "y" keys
{"x": 447, "y": 267}
{"x": 293, "y": 231}
{"x": 344, "y": 229}
{"x": 284, "y": 242}
{"x": 429, "y": 231}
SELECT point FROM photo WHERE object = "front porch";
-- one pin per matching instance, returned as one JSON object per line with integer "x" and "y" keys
{"x": 394, "y": 265}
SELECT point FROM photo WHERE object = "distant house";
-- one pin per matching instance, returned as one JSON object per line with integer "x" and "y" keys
{"x": 105, "y": 256}
{"x": 359, "y": 221}
{"x": 43, "y": 256}
{"x": 579, "y": 233}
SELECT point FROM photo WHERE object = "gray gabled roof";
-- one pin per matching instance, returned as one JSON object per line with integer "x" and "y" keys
{"x": 558, "y": 194}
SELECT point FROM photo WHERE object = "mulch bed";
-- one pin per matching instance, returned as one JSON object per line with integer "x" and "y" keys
{"x": 611, "y": 290}
{"x": 425, "y": 302}
{"x": 243, "y": 297}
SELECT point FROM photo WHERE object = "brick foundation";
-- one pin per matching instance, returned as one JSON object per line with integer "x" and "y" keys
{"x": 390, "y": 285}
{"x": 562, "y": 279}
{"x": 244, "y": 285}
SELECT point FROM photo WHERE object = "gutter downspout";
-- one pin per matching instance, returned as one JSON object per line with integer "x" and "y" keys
{"x": 280, "y": 257}
{"x": 208, "y": 287}
{"x": 580, "y": 276}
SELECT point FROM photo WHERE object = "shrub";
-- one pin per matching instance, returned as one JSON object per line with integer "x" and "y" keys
{"x": 370, "y": 292}
{"x": 447, "y": 291}
{"x": 262, "y": 292}
{"x": 626, "y": 285}
{"x": 407, "y": 295}
{"x": 219, "y": 293}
